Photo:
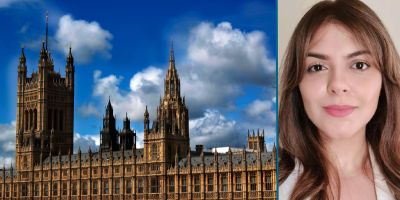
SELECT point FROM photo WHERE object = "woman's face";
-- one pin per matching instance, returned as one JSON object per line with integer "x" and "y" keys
{"x": 341, "y": 83}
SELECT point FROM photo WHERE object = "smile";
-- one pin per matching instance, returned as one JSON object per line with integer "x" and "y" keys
{"x": 339, "y": 110}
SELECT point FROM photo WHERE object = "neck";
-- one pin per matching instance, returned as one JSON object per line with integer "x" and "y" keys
{"x": 348, "y": 155}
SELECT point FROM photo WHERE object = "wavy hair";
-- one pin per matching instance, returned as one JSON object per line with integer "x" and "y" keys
{"x": 298, "y": 136}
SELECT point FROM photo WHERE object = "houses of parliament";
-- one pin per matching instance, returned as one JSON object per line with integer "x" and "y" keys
{"x": 165, "y": 168}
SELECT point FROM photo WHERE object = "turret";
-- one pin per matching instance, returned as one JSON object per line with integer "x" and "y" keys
{"x": 70, "y": 71}
{"x": 109, "y": 134}
{"x": 127, "y": 135}
{"x": 42, "y": 63}
{"x": 172, "y": 82}
{"x": 22, "y": 67}
{"x": 146, "y": 120}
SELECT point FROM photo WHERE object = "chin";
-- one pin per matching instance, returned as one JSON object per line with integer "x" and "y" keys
{"x": 339, "y": 133}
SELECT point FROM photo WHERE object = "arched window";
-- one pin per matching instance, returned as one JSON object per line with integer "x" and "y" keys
{"x": 172, "y": 88}
{"x": 30, "y": 119}
{"x": 84, "y": 188}
{"x": 116, "y": 187}
{"x": 154, "y": 152}
{"x": 105, "y": 189}
{"x": 25, "y": 162}
{"x": 128, "y": 187}
{"x": 35, "y": 119}
{"x": 94, "y": 187}
{"x": 26, "y": 118}
{"x": 55, "y": 189}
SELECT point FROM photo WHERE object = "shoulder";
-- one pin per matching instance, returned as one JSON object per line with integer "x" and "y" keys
{"x": 381, "y": 188}
{"x": 286, "y": 188}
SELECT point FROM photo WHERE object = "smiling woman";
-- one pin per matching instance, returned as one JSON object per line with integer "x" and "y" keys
{"x": 339, "y": 115}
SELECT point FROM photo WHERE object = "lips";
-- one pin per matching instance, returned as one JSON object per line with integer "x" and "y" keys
{"x": 339, "y": 110}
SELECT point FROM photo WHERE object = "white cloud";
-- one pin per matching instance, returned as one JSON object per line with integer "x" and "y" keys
{"x": 7, "y": 143}
{"x": 84, "y": 142}
{"x": 139, "y": 140}
{"x": 86, "y": 38}
{"x": 225, "y": 57}
{"x": 258, "y": 107}
{"x": 214, "y": 130}
{"x": 149, "y": 79}
{"x": 261, "y": 112}
{"x": 143, "y": 91}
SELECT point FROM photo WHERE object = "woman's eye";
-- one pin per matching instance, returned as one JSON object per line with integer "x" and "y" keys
{"x": 316, "y": 68}
{"x": 360, "y": 65}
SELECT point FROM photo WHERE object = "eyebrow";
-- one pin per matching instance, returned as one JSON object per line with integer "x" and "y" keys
{"x": 357, "y": 53}
{"x": 325, "y": 57}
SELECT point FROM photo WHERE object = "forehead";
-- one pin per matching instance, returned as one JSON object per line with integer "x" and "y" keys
{"x": 334, "y": 38}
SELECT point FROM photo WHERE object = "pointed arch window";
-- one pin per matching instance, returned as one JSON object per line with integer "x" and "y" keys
{"x": 25, "y": 162}
{"x": 26, "y": 120}
{"x": 154, "y": 152}
{"x": 172, "y": 88}
{"x": 30, "y": 119}
{"x": 35, "y": 119}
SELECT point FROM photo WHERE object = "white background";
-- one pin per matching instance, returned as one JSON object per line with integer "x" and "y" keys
{"x": 291, "y": 11}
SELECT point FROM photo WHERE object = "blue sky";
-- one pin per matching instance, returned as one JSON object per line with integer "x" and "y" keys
{"x": 225, "y": 55}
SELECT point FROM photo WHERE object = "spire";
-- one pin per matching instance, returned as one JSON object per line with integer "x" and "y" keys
{"x": 22, "y": 58}
{"x": 70, "y": 58}
{"x": 126, "y": 124}
{"x": 109, "y": 109}
{"x": 171, "y": 59}
{"x": 47, "y": 28}
{"x": 146, "y": 112}
{"x": 171, "y": 81}
{"x": 43, "y": 52}
{"x": 274, "y": 148}
{"x": 146, "y": 119}
{"x": 171, "y": 52}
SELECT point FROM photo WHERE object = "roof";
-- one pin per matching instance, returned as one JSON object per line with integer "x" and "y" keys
{"x": 117, "y": 155}
{"x": 223, "y": 159}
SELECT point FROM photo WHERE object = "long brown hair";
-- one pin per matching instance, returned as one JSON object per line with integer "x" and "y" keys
{"x": 298, "y": 136}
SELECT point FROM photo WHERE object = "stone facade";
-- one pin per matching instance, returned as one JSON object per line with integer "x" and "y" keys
{"x": 165, "y": 168}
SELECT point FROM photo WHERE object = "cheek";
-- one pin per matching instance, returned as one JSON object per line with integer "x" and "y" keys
{"x": 310, "y": 89}
{"x": 370, "y": 89}
{"x": 309, "y": 96}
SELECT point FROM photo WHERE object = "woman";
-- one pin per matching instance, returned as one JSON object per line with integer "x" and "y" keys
{"x": 339, "y": 113}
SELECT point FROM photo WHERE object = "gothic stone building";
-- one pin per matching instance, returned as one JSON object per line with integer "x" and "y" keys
{"x": 166, "y": 168}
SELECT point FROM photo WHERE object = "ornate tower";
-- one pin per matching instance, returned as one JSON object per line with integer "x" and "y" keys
{"x": 255, "y": 142}
{"x": 169, "y": 134}
{"x": 109, "y": 133}
{"x": 45, "y": 103}
{"x": 127, "y": 136}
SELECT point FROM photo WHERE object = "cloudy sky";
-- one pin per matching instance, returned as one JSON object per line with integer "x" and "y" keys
{"x": 225, "y": 55}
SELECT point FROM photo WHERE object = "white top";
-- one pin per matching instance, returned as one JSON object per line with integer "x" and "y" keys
{"x": 381, "y": 188}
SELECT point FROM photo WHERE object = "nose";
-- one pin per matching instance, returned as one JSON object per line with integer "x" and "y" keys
{"x": 337, "y": 83}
